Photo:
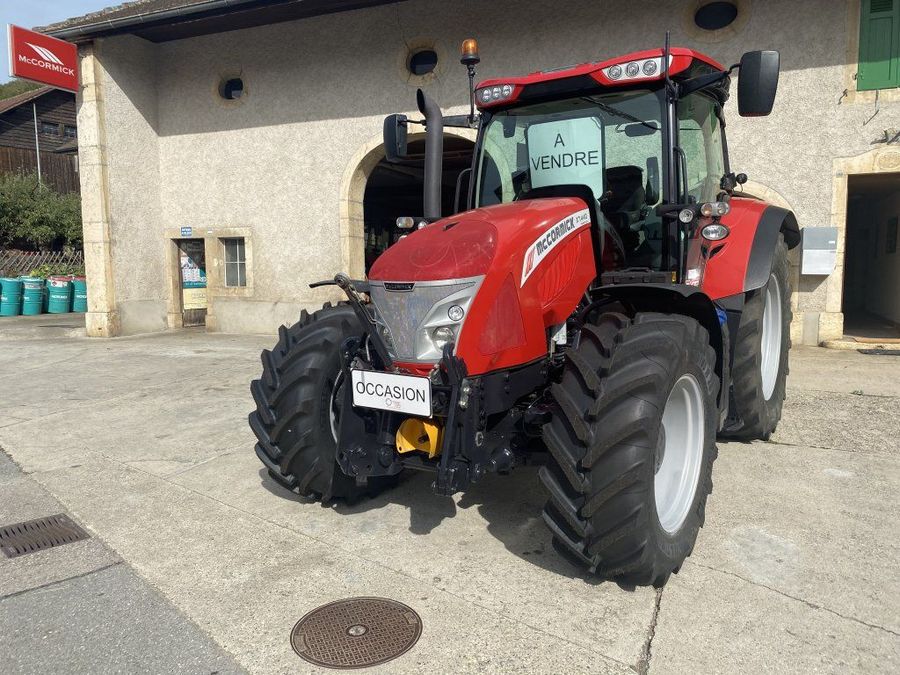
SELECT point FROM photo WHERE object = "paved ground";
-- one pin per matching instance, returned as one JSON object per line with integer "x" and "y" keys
{"x": 144, "y": 440}
{"x": 80, "y": 608}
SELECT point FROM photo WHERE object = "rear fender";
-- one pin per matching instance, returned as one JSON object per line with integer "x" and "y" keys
{"x": 679, "y": 299}
{"x": 743, "y": 261}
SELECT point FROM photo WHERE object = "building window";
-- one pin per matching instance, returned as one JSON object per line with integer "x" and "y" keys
{"x": 879, "y": 45}
{"x": 231, "y": 89}
{"x": 235, "y": 262}
{"x": 422, "y": 62}
{"x": 70, "y": 131}
{"x": 49, "y": 129}
{"x": 715, "y": 15}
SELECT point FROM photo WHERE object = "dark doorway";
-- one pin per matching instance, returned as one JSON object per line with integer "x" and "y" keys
{"x": 871, "y": 302}
{"x": 395, "y": 190}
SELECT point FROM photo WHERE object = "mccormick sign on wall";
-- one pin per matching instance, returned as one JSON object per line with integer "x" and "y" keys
{"x": 38, "y": 57}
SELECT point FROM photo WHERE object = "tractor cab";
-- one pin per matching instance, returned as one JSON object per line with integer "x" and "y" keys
{"x": 642, "y": 135}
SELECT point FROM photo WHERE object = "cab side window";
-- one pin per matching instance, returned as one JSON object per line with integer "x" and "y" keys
{"x": 700, "y": 137}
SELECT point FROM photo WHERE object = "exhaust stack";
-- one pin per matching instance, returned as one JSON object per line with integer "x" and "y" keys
{"x": 434, "y": 154}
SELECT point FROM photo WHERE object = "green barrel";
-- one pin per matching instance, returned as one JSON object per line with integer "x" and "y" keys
{"x": 10, "y": 296}
{"x": 59, "y": 292}
{"x": 32, "y": 295}
{"x": 79, "y": 294}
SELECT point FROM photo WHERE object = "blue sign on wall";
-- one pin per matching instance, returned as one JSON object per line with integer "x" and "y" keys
{"x": 186, "y": 231}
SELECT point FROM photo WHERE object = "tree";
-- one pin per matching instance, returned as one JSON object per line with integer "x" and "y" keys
{"x": 16, "y": 87}
{"x": 35, "y": 216}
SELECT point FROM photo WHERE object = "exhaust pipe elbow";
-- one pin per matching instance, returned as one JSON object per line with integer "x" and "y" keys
{"x": 434, "y": 154}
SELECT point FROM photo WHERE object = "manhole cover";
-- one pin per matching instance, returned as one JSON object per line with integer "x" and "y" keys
{"x": 35, "y": 535}
{"x": 356, "y": 633}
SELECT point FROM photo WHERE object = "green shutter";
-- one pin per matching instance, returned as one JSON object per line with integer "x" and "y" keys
{"x": 879, "y": 45}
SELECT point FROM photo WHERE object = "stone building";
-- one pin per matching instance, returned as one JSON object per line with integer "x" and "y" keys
{"x": 253, "y": 129}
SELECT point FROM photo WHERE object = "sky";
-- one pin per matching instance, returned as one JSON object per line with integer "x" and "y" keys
{"x": 31, "y": 13}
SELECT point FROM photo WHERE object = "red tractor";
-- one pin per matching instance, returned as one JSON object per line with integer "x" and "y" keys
{"x": 606, "y": 296}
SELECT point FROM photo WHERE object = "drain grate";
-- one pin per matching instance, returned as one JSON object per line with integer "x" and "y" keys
{"x": 35, "y": 535}
{"x": 356, "y": 633}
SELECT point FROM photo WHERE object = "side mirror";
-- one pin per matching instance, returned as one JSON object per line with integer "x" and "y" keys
{"x": 395, "y": 138}
{"x": 758, "y": 83}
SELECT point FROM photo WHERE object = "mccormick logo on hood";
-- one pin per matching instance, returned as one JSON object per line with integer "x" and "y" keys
{"x": 550, "y": 239}
{"x": 38, "y": 57}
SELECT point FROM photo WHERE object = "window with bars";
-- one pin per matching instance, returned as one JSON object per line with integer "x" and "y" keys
{"x": 879, "y": 45}
{"x": 70, "y": 132}
{"x": 49, "y": 129}
{"x": 235, "y": 262}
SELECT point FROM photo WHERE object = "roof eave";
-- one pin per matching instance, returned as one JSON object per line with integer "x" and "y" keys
{"x": 124, "y": 24}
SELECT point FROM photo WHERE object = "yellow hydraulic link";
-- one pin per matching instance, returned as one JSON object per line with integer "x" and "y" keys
{"x": 420, "y": 435}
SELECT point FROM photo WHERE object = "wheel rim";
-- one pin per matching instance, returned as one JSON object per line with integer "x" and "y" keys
{"x": 675, "y": 483}
{"x": 334, "y": 405}
{"x": 770, "y": 343}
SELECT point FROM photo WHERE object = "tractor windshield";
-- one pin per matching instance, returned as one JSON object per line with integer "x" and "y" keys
{"x": 610, "y": 142}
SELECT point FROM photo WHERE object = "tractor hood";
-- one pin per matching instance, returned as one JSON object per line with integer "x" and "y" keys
{"x": 492, "y": 279}
{"x": 466, "y": 244}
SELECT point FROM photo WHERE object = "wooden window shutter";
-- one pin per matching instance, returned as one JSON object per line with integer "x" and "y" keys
{"x": 879, "y": 45}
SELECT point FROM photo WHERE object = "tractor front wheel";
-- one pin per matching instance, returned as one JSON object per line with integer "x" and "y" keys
{"x": 298, "y": 406}
{"x": 632, "y": 446}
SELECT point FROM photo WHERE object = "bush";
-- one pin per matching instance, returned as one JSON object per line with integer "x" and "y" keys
{"x": 48, "y": 270}
{"x": 34, "y": 216}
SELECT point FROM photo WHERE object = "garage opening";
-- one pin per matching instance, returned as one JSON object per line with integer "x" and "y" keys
{"x": 871, "y": 303}
{"x": 395, "y": 190}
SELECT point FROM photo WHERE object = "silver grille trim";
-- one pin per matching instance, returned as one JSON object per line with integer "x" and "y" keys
{"x": 407, "y": 314}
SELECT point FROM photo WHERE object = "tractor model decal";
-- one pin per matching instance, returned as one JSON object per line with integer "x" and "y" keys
{"x": 550, "y": 239}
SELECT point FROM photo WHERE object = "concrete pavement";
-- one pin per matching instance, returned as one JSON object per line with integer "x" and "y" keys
{"x": 144, "y": 440}
{"x": 80, "y": 608}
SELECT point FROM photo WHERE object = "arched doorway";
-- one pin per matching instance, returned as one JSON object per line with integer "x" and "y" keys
{"x": 394, "y": 190}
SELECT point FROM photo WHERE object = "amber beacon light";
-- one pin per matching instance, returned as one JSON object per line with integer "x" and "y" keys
{"x": 469, "y": 52}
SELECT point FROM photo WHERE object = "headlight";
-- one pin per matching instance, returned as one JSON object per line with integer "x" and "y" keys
{"x": 714, "y": 232}
{"x": 386, "y": 337}
{"x": 384, "y": 333}
{"x": 445, "y": 322}
{"x": 442, "y": 336}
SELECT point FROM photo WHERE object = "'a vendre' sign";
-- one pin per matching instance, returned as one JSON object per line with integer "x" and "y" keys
{"x": 38, "y": 57}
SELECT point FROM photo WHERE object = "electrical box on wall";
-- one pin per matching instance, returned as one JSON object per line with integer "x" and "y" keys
{"x": 819, "y": 250}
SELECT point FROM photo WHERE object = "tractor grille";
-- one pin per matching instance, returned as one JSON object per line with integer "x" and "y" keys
{"x": 403, "y": 311}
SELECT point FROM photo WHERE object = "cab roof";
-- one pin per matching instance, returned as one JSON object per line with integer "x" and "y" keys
{"x": 683, "y": 63}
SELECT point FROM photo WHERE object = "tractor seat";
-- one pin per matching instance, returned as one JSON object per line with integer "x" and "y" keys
{"x": 627, "y": 188}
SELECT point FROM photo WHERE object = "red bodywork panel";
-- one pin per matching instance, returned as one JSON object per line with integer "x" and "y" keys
{"x": 681, "y": 61}
{"x": 726, "y": 269}
{"x": 537, "y": 260}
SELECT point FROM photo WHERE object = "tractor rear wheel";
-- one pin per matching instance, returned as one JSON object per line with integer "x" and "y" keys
{"x": 632, "y": 446}
{"x": 298, "y": 401}
{"x": 761, "y": 351}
